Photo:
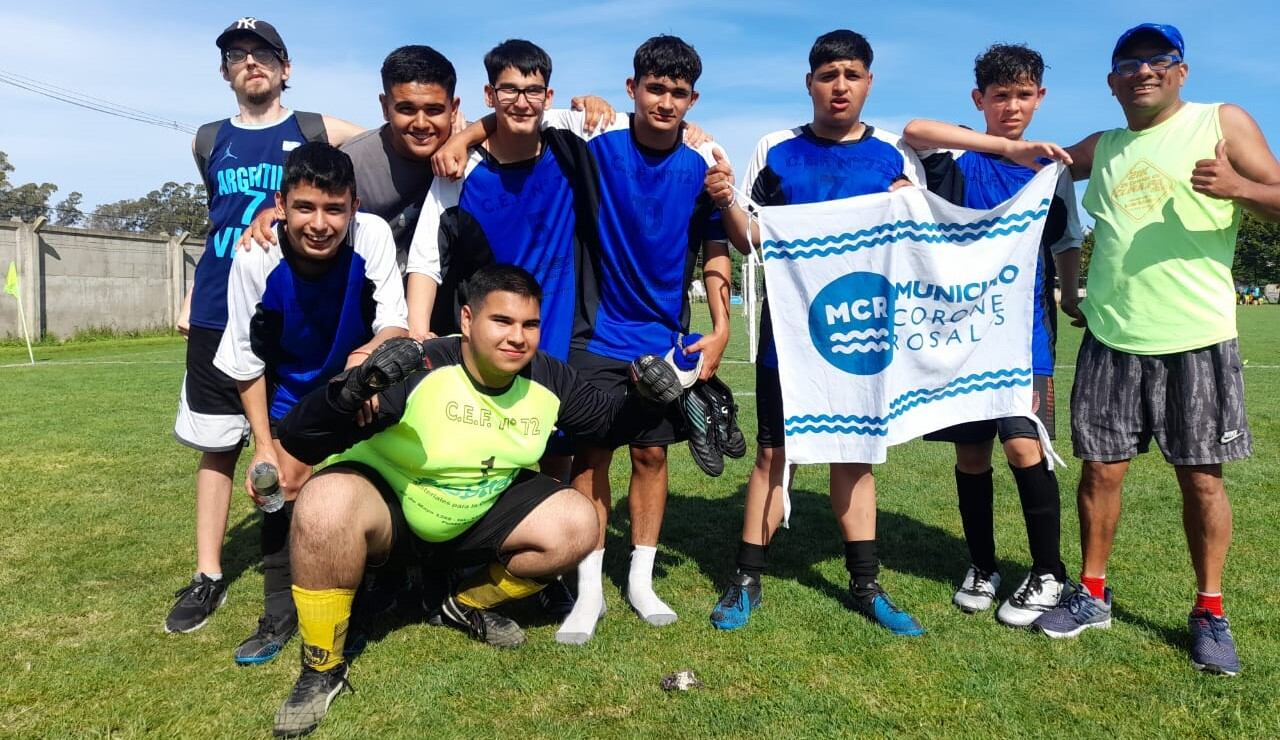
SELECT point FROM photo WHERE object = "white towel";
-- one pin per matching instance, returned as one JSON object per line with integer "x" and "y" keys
{"x": 897, "y": 314}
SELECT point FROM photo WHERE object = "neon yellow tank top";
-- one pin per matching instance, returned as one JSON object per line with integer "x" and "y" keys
{"x": 1160, "y": 277}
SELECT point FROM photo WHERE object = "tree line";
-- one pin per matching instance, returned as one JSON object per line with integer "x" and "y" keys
{"x": 182, "y": 206}
{"x": 171, "y": 208}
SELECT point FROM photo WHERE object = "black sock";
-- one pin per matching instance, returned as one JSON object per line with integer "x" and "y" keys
{"x": 277, "y": 580}
{"x": 862, "y": 562}
{"x": 976, "y": 494}
{"x": 1042, "y": 511}
{"x": 752, "y": 559}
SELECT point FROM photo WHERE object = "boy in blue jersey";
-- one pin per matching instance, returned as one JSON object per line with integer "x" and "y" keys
{"x": 653, "y": 221}
{"x": 300, "y": 313}
{"x": 514, "y": 204}
{"x": 835, "y": 156}
{"x": 240, "y": 162}
{"x": 1008, "y": 91}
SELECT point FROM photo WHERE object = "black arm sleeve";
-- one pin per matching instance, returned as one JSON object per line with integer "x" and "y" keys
{"x": 313, "y": 429}
{"x": 584, "y": 409}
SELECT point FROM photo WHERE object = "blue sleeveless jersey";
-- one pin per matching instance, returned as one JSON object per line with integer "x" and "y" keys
{"x": 246, "y": 168}
{"x": 654, "y": 215}
{"x": 797, "y": 166}
{"x": 983, "y": 181}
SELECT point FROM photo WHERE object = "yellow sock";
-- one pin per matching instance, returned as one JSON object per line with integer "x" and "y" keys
{"x": 322, "y": 620}
{"x": 494, "y": 586}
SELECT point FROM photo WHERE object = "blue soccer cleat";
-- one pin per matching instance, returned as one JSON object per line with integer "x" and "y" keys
{"x": 741, "y": 598}
{"x": 874, "y": 604}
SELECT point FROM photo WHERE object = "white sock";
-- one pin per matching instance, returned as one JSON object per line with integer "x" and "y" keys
{"x": 640, "y": 588}
{"x": 580, "y": 625}
{"x": 210, "y": 576}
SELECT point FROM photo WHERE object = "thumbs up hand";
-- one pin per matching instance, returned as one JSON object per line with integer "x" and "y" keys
{"x": 1216, "y": 177}
{"x": 719, "y": 180}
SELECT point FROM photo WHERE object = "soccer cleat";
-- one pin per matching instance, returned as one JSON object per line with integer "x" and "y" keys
{"x": 977, "y": 590}
{"x": 266, "y": 642}
{"x": 1212, "y": 648}
{"x": 742, "y": 597}
{"x": 310, "y": 699}
{"x": 556, "y": 600}
{"x": 725, "y": 416}
{"x": 482, "y": 624}
{"x": 196, "y": 603}
{"x": 1076, "y": 613}
{"x": 1036, "y": 595}
{"x": 874, "y": 604}
{"x": 704, "y": 444}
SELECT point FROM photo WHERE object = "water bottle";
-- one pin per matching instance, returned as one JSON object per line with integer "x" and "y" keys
{"x": 266, "y": 483}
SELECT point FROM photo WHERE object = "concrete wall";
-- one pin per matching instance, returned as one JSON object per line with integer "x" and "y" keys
{"x": 78, "y": 279}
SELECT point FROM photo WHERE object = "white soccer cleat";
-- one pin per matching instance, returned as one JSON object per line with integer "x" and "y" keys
{"x": 977, "y": 591}
{"x": 1036, "y": 595}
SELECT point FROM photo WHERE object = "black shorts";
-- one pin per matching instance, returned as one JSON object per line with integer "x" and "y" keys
{"x": 640, "y": 423}
{"x": 210, "y": 416}
{"x": 770, "y": 432}
{"x": 480, "y": 544}
{"x": 1191, "y": 402}
{"x": 1010, "y": 427}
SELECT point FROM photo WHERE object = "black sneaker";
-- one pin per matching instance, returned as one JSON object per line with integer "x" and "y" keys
{"x": 196, "y": 602}
{"x": 704, "y": 445}
{"x": 266, "y": 642}
{"x": 310, "y": 699}
{"x": 481, "y": 624}
{"x": 725, "y": 415}
{"x": 556, "y": 600}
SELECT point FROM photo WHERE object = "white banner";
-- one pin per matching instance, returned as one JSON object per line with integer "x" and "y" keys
{"x": 897, "y": 314}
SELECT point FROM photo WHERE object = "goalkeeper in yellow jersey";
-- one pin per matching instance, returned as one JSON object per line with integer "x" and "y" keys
{"x": 444, "y": 471}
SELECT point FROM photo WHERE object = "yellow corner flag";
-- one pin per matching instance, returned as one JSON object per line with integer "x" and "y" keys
{"x": 11, "y": 280}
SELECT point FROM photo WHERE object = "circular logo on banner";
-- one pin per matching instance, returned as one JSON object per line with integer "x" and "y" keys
{"x": 851, "y": 323}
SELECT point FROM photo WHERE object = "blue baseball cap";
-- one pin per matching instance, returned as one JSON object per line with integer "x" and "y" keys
{"x": 1167, "y": 32}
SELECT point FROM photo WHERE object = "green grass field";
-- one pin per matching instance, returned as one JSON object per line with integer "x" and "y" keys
{"x": 98, "y": 498}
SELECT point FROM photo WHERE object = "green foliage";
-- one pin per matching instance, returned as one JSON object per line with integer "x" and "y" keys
{"x": 172, "y": 208}
{"x": 99, "y": 507}
{"x": 1257, "y": 252}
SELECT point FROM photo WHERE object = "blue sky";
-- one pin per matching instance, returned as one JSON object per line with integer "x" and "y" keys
{"x": 160, "y": 57}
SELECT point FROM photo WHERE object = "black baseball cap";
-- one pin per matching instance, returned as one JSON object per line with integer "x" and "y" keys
{"x": 253, "y": 27}
{"x": 1169, "y": 33}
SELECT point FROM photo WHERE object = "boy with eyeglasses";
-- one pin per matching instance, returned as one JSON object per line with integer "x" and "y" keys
{"x": 834, "y": 156}
{"x": 241, "y": 163}
{"x": 1009, "y": 90}
{"x": 1160, "y": 356}
{"x": 654, "y": 222}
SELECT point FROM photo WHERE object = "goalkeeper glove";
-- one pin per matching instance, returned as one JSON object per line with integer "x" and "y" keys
{"x": 393, "y": 361}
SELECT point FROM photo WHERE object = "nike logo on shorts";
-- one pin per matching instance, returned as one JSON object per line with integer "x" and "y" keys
{"x": 1229, "y": 436}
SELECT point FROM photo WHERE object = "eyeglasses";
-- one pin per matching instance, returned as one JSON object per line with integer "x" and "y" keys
{"x": 1160, "y": 63}
{"x": 509, "y": 93}
{"x": 261, "y": 55}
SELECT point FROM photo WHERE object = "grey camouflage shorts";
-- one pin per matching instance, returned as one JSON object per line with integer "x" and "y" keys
{"x": 1191, "y": 402}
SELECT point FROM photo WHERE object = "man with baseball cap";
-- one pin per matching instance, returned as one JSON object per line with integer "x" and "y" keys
{"x": 241, "y": 160}
{"x": 1160, "y": 357}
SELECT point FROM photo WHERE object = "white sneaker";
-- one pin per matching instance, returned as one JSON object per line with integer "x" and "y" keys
{"x": 977, "y": 590}
{"x": 1036, "y": 595}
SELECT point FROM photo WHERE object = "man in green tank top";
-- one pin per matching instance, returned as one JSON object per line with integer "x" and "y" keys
{"x": 1159, "y": 357}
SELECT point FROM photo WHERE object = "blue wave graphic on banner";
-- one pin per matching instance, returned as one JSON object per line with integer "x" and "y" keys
{"x": 876, "y": 425}
{"x": 935, "y": 233}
